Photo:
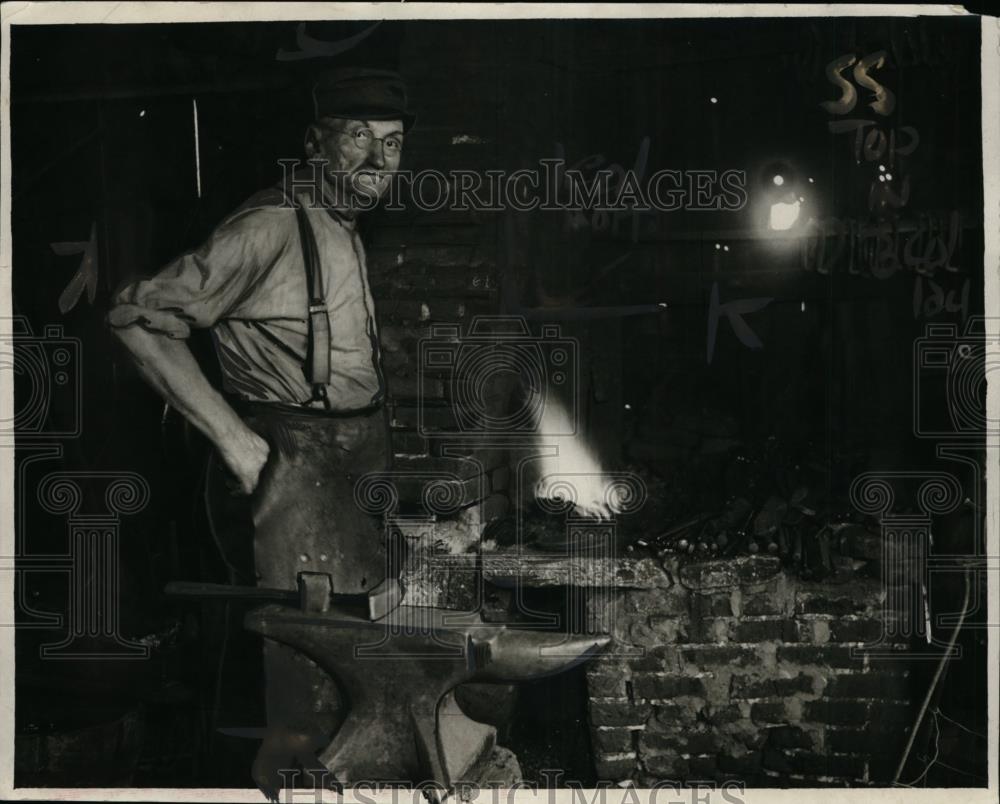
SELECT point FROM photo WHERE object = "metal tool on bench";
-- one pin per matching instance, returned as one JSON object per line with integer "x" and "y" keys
{"x": 315, "y": 594}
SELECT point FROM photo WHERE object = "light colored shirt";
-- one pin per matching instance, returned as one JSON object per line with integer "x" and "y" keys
{"x": 247, "y": 283}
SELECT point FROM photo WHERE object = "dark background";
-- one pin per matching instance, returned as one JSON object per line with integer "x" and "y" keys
{"x": 102, "y": 134}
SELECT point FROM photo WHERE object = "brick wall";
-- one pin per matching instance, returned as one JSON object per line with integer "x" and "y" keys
{"x": 735, "y": 670}
{"x": 429, "y": 270}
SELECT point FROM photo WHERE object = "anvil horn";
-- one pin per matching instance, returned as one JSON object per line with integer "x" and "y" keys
{"x": 396, "y": 673}
{"x": 518, "y": 655}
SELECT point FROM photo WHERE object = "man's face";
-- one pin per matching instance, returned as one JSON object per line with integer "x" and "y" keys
{"x": 361, "y": 156}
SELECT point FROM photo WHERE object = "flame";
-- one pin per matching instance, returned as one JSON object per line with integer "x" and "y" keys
{"x": 573, "y": 474}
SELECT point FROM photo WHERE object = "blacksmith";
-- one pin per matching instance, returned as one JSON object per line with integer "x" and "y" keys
{"x": 282, "y": 285}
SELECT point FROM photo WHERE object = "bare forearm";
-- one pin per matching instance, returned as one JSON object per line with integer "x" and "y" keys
{"x": 169, "y": 367}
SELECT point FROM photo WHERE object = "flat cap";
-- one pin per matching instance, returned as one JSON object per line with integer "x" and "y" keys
{"x": 362, "y": 93}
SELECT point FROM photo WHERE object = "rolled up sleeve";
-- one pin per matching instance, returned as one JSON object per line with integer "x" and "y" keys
{"x": 200, "y": 287}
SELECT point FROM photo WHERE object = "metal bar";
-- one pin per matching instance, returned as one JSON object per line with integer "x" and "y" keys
{"x": 221, "y": 591}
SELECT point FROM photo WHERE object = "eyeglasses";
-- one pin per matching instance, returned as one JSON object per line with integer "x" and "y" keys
{"x": 365, "y": 137}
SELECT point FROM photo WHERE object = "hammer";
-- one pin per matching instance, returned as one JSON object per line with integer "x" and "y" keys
{"x": 315, "y": 594}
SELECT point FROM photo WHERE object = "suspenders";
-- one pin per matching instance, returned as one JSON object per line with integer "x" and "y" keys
{"x": 318, "y": 349}
{"x": 317, "y": 366}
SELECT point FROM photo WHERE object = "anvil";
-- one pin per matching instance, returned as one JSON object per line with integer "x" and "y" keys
{"x": 396, "y": 673}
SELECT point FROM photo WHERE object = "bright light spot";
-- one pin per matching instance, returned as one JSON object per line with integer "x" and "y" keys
{"x": 811, "y": 180}
{"x": 803, "y": 307}
{"x": 628, "y": 406}
{"x": 142, "y": 113}
{"x": 888, "y": 177}
{"x": 725, "y": 248}
{"x": 573, "y": 474}
{"x": 882, "y": 168}
{"x": 718, "y": 246}
{"x": 662, "y": 304}
{"x": 783, "y": 216}
{"x": 881, "y": 178}
{"x": 778, "y": 180}
{"x": 713, "y": 100}
{"x": 802, "y": 198}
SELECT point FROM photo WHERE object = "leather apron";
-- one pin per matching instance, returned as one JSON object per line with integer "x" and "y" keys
{"x": 305, "y": 519}
{"x": 304, "y": 514}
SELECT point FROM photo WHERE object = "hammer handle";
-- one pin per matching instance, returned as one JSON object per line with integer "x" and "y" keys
{"x": 221, "y": 591}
